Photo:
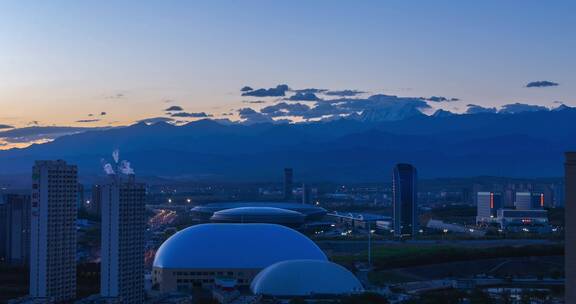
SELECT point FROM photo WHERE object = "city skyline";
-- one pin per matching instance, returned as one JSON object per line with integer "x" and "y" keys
{"x": 190, "y": 56}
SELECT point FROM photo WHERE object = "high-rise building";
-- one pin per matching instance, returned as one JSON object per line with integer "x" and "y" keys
{"x": 122, "y": 253}
{"x": 487, "y": 207}
{"x": 15, "y": 229}
{"x": 288, "y": 183}
{"x": 529, "y": 200}
{"x": 53, "y": 231}
{"x": 570, "y": 233}
{"x": 3, "y": 233}
{"x": 405, "y": 193}
{"x": 80, "y": 199}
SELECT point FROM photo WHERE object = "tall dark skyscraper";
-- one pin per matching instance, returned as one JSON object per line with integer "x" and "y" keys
{"x": 15, "y": 228}
{"x": 405, "y": 205}
{"x": 53, "y": 231}
{"x": 570, "y": 219}
{"x": 96, "y": 200}
{"x": 288, "y": 183}
{"x": 306, "y": 194}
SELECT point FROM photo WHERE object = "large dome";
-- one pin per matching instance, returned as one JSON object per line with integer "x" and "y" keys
{"x": 259, "y": 215}
{"x": 234, "y": 246}
{"x": 305, "y": 278}
{"x": 310, "y": 211}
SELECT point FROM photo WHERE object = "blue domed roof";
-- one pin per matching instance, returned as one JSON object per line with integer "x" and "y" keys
{"x": 305, "y": 278}
{"x": 234, "y": 246}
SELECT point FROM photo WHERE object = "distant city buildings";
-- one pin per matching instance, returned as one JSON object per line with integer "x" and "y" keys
{"x": 527, "y": 211}
{"x": 570, "y": 234}
{"x": 15, "y": 229}
{"x": 122, "y": 252}
{"x": 288, "y": 183}
{"x": 53, "y": 232}
{"x": 405, "y": 206}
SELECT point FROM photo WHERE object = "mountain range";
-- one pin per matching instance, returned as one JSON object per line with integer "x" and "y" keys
{"x": 525, "y": 144}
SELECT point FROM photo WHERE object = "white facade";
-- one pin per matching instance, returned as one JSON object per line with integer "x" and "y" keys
{"x": 122, "y": 253}
{"x": 523, "y": 201}
{"x": 53, "y": 231}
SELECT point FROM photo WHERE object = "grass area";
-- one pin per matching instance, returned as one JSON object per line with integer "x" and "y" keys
{"x": 386, "y": 257}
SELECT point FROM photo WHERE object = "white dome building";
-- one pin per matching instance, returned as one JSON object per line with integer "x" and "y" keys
{"x": 305, "y": 278}
{"x": 195, "y": 256}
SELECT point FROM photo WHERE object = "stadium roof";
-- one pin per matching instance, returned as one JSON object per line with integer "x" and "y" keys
{"x": 308, "y": 210}
{"x": 305, "y": 278}
{"x": 259, "y": 215}
{"x": 234, "y": 246}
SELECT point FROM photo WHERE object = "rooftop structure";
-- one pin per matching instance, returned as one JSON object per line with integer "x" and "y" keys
{"x": 310, "y": 211}
{"x": 270, "y": 215}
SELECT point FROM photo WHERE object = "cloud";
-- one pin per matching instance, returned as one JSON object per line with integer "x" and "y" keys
{"x": 154, "y": 120}
{"x": 87, "y": 120}
{"x": 310, "y": 90}
{"x": 541, "y": 84}
{"x": 378, "y": 107}
{"x": 279, "y": 90}
{"x": 440, "y": 99}
{"x": 115, "y": 96}
{"x": 3, "y": 127}
{"x": 246, "y": 89}
{"x": 250, "y": 116}
{"x": 174, "y": 109}
{"x": 475, "y": 109}
{"x": 304, "y": 97}
{"x": 521, "y": 107}
{"x": 344, "y": 93}
{"x": 40, "y": 134}
{"x": 193, "y": 114}
{"x": 286, "y": 109}
{"x": 255, "y": 101}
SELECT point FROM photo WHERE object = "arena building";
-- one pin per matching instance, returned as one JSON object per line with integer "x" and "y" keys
{"x": 269, "y": 215}
{"x": 311, "y": 212}
{"x": 198, "y": 255}
{"x": 305, "y": 278}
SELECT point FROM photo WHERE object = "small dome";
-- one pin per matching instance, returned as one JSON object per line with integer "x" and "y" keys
{"x": 234, "y": 246}
{"x": 305, "y": 278}
{"x": 259, "y": 215}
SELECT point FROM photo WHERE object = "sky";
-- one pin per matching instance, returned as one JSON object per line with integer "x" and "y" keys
{"x": 110, "y": 63}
